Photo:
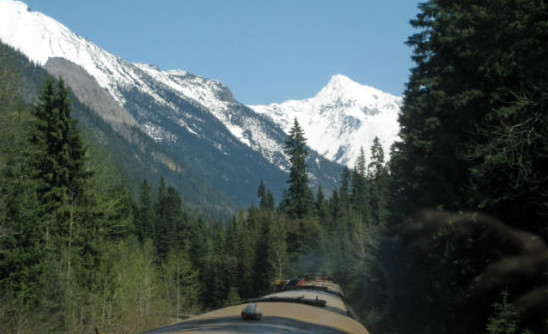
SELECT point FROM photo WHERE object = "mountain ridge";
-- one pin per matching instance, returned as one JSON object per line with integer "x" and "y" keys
{"x": 198, "y": 120}
{"x": 50, "y": 39}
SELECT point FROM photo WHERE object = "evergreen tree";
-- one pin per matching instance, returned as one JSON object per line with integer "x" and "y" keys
{"x": 359, "y": 186}
{"x": 322, "y": 210}
{"x": 217, "y": 272}
{"x": 477, "y": 89}
{"x": 23, "y": 273}
{"x": 266, "y": 198}
{"x": 146, "y": 214}
{"x": 73, "y": 214}
{"x": 299, "y": 200}
{"x": 504, "y": 319}
{"x": 171, "y": 227}
{"x": 376, "y": 167}
{"x": 378, "y": 176}
{"x": 344, "y": 191}
{"x": 199, "y": 232}
{"x": 57, "y": 159}
{"x": 240, "y": 251}
{"x": 181, "y": 285}
{"x": 335, "y": 211}
{"x": 262, "y": 268}
{"x": 270, "y": 201}
{"x": 261, "y": 193}
{"x": 161, "y": 227}
{"x": 278, "y": 258}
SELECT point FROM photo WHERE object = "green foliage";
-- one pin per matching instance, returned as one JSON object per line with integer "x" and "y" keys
{"x": 58, "y": 153}
{"x": 515, "y": 144}
{"x": 171, "y": 232}
{"x": 181, "y": 283}
{"x": 473, "y": 123}
{"x": 474, "y": 127}
{"x": 76, "y": 252}
{"x": 359, "y": 194}
{"x": 146, "y": 215}
{"x": 504, "y": 318}
{"x": 266, "y": 198}
{"x": 379, "y": 184}
{"x": 298, "y": 202}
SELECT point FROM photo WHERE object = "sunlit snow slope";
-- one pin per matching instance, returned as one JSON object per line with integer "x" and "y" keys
{"x": 41, "y": 38}
{"x": 343, "y": 117}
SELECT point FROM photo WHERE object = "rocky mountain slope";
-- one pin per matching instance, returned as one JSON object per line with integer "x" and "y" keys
{"x": 196, "y": 121}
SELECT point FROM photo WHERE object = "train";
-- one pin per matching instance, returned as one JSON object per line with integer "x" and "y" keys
{"x": 308, "y": 303}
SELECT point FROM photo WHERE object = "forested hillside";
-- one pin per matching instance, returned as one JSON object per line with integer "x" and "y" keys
{"x": 449, "y": 236}
{"x": 135, "y": 154}
{"x": 78, "y": 252}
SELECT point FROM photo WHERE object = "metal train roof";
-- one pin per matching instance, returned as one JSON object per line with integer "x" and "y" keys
{"x": 302, "y": 306}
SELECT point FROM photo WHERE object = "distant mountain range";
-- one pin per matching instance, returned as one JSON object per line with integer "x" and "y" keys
{"x": 196, "y": 125}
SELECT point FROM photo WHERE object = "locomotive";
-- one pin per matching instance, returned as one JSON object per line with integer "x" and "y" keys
{"x": 309, "y": 303}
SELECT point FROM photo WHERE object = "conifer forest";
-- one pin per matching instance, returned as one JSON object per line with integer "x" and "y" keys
{"x": 447, "y": 236}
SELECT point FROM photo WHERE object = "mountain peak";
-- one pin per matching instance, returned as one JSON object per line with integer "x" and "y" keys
{"x": 340, "y": 80}
{"x": 341, "y": 119}
{"x": 341, "y": 86}
{"x": 337, "y": 84}
{"x": 27, "y": 31}
{"x": 19, "y": 5}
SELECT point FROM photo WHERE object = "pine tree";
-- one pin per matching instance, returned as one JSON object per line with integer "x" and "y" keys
{"x": 146, "y": 214}
{"x": 504, "y": 319}
{"x": 199, "y": 232}
{"x": 57, "y": 159}
{"x": 161, "y": 227}
{"x": 217, "y": 273}
{"x": 359, "y": 186}
{"x": 261, "y": 193}
{"x": 240, "y": 251}
{"x": 477, "y": 89}
{"x": 266, "y": 198}
{"x": 171, "y": 227}
{"x": 378, "y": 175}
{"x": 344, "y": 191}
{"x": 270, "y": 201}
{"x": 322, "y": 210}
{"x": 299, "y": 200}
{"x": 335, "y": 211}
{"x": 24, "y": 277}
{"x": 72, "y": 226}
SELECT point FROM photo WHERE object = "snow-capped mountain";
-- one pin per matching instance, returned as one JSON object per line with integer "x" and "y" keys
{"x": 197, "y": 120}
{"x": 41, "y": 38}
{"x": 343, "y": 117}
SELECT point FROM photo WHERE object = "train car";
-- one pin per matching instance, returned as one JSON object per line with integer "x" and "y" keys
{"x": 308, "y": 303}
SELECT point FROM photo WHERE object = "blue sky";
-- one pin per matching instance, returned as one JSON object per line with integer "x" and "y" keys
{"x": 264, "y": 50}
